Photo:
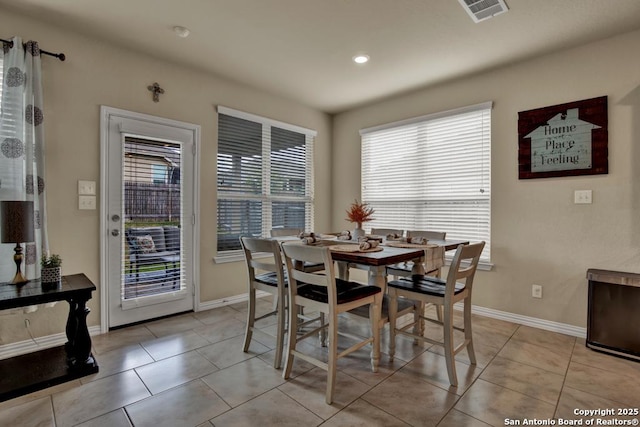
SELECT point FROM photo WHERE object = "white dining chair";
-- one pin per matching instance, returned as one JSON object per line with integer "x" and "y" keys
{"x": 325, "y": 293}
{"x": 427, "y": 289}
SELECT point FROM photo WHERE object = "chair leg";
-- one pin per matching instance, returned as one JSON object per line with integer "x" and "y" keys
{"x": 291, "y": 340}
{"x": 418, "y": 321}
{"x": 375, "y": 309}
{"x": 333, "y": 352}
{"x": 468, "y": 332}
{"x": 448, "y": 345}
{"x": 323, "y": 331}
{"x": 280, "y": 334}
{"x": 251, "y": 317}
{"x": 393, "y": 314}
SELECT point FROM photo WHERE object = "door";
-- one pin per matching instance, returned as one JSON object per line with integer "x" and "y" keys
{"x": 148, "y": 216}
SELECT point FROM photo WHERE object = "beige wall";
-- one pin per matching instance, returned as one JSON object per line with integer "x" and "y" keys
{"x": 538, "y": 234}
{"x": 96, "y": 74}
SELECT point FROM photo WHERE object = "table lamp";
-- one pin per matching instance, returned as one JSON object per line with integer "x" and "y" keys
{"x": 17, "y": 227}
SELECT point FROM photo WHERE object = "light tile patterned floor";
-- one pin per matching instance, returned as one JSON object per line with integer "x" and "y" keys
{"x": 189, "y": 370}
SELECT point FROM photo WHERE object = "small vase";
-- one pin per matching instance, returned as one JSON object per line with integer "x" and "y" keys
{"x": 50, "y": 276}
{"x": 357, "y": 232}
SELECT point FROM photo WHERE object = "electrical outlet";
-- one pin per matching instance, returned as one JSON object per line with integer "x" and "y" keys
{"x": 582, "y": 197}
{"x": 536, "y": 291}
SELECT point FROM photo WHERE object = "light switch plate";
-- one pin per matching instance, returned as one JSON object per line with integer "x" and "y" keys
{"x": 86, "y": 202}
{"x": 582, "y": 197}
{"x": 87, "y": 188}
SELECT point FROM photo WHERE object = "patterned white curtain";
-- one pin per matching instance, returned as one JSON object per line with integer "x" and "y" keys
{"x": 22, "y": 149}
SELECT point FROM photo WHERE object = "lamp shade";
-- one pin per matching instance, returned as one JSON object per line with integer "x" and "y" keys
{"x": 17, "y": 221}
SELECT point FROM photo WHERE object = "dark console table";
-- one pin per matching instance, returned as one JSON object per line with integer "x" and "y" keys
{"x": 45, "y": 368}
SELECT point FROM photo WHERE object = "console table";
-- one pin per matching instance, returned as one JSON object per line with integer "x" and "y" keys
{"x": 41, "y": 369}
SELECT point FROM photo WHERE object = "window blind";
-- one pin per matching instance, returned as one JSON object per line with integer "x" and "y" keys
{"x": 432, "y": 173}
{"x": 265, "y": 177}
{"x": 152, "y": 203}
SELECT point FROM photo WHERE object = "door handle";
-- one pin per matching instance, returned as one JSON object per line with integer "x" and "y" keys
{"x": 115, "y": 232}
{"x": 115, "y": 218}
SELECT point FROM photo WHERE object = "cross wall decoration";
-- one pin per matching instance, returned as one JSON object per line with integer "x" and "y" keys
{"x": 156, "y": 90}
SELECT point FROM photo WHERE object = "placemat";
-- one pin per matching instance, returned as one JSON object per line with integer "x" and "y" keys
{"x": 353, "y": 248}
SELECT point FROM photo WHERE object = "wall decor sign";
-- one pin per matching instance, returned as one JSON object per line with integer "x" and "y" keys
{"x": 564, "y": 140}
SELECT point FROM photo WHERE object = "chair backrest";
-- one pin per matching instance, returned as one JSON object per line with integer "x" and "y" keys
{"x": 463, "y": 268}
{"x": 172, "y": 237}
{"x": 384, "y": 231}
{"x": 156, "y": 233}
{"x": 296, "y": 255}
{"x": 278, "y": 232}
{"x": 435, "y": 235}
{"x": 251, "y": 246}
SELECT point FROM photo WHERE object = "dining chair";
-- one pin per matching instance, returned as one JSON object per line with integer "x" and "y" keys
{"x": 325, "y": 293}
{"x": 434, "y": 235}
{"x": 271, "y": 280}
{"x": 431, "y": 269}
{"x": 427, "y": 289}
{"x": 284, "y": 232}
{"x": 385, "y": 231}
{"x": 281, "y": 232}
{"x": 405, "y": 307}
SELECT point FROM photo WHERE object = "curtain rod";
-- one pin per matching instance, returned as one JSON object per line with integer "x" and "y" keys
{"x": 60, "y": 56}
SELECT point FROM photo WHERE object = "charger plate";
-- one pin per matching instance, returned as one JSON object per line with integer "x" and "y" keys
{"x": 353, "y": 248}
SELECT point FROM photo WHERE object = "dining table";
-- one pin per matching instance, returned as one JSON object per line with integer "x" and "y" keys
{"x": 376, "y": 261}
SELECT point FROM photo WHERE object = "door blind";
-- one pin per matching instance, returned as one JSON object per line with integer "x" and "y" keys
{"x": 152, "y": 204}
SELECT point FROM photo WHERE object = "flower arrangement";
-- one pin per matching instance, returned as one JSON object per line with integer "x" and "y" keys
{"x": 359, "y": 213}
{"x": 51, "y": 261}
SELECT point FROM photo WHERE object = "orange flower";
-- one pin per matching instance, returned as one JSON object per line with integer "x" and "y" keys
{"x": 359, "y": 213}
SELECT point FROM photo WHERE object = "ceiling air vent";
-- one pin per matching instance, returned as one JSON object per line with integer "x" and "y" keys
{"x": 479, "y": 10}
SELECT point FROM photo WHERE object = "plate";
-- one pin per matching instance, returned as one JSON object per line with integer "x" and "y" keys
{"x": 353, "y": 249}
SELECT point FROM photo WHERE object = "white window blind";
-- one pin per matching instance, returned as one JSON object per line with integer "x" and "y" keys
{"x": 265, "y": 177}
{"x": 1, "y": 81}
{"x": 432, "y": 173}
{"x": 153, "y": 257}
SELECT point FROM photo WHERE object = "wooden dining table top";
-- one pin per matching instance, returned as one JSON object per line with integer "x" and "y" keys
{"x": 387, "y": 256}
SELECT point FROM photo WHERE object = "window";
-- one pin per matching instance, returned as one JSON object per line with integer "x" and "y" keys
{"x": 160, "y": 173}
{"x": 432, "y": 173}
{"x": 1, "y": 79}
{"x": 265, "y": 177}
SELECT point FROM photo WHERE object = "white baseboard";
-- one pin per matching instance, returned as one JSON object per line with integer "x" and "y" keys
{"x": 534, "y": 322}
{"x": 229, "y": 300}
{"x": 562, "y": 328}
{"x": 38, "y": 343}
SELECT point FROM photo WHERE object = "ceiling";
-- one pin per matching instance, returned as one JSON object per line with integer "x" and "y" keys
{"x": 303, "y": 49}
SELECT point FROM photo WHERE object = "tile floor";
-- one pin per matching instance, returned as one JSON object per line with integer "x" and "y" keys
{"x": 190, "y": 370}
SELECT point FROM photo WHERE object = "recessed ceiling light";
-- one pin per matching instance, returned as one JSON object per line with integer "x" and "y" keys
{"x": 181, "y": 31}
{"x": 361, "y": 59}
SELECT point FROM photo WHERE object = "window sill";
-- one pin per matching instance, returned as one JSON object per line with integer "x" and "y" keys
{"x": 482, "y": 265}
{"x": 235, "y": 256}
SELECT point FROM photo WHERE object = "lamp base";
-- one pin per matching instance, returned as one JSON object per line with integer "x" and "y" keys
{"x": 19, "y": 278}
